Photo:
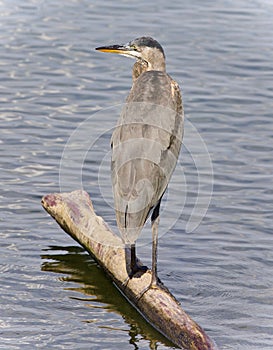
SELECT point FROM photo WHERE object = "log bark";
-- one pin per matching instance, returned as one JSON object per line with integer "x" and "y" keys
{"x": 75, "y": 214}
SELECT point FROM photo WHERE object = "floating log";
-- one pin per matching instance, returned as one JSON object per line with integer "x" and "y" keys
{"x": 75, "y": 214}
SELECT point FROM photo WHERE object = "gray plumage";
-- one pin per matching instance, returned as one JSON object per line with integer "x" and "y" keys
{"x": 145, "y": 143}
{"x": 145, "y": 148}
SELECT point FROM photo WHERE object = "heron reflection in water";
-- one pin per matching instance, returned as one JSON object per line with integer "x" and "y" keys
{"x": 145, "y": 144}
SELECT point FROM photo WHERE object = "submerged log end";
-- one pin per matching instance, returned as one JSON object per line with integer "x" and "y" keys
{"x": 179, "y": 326}
{"x": 75, "y": 214}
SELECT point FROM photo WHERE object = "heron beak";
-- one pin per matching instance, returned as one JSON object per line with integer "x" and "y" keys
{"x": 124, "y": 50}
{"x": 119, "y": 49}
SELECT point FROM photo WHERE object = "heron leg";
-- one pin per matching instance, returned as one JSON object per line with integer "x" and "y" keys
{"x": 154, "y": 252}
{"x": 135, "y": 266}
{"x": 155, "y": 223}
{"x": 133, "y": 259}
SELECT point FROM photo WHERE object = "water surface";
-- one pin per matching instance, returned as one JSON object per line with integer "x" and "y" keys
{"x": 53, "y": 85}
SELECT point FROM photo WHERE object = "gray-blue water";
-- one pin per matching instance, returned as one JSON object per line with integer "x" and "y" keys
{"x": 57, "y": 95}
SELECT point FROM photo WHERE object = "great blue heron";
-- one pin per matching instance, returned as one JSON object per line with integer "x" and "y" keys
{"x": 145, "y": 143}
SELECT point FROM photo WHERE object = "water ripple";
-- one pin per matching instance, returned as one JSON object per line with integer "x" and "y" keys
{"x": 51, "y": 81}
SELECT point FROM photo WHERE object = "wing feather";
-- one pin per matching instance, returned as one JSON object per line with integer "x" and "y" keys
{"x": 145, "y": 148}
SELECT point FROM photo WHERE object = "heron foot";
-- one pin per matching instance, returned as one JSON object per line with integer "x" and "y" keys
{"x": 137, "y": 268}
{"x": 153, "y": 285}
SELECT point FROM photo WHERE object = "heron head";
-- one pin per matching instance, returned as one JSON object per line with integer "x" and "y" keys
{"x": 143, "y": 49}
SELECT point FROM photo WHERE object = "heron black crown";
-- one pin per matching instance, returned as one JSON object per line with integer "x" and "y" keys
{"x": 148, "y": 42}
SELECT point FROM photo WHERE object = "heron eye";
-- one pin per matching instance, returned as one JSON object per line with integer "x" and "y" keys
{"x": 134, "y": 47}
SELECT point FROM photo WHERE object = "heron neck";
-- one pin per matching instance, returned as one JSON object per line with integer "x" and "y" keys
{"x": 142, "y": 66}
{"x": 157, "y": 65}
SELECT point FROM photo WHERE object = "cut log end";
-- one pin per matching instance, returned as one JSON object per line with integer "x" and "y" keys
{"x": 75, "y": 214}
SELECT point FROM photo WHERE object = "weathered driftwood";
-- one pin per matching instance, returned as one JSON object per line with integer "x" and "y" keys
{"x": 75, "y": 214}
